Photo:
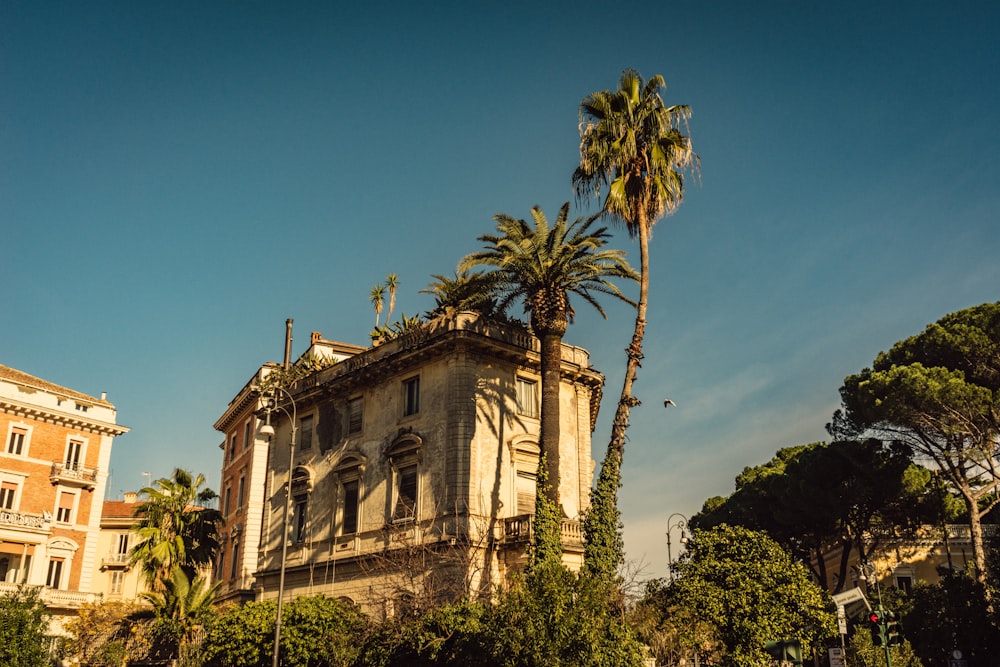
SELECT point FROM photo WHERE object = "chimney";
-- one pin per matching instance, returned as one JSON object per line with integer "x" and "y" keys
{"x": 130, "y": 496}
{"x": 315, "y": 337}
{"x": 288, "y": 342}
{"x": 104, "y": 395}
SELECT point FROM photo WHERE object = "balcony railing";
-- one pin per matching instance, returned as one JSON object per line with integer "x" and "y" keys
{"x": 23, "y": 519}
{"x": 54, "y": 597}
{"x": 522, "y": 529}
{"x": 73, "y": 475}
{"x": 114, "y": 560}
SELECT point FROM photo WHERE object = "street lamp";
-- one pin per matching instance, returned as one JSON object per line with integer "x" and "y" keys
{"x": 270, "y": 404}
{"x": 681, "y": 523}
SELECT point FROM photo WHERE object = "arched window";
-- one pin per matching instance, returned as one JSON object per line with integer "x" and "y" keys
{"x": 301, "y": 486}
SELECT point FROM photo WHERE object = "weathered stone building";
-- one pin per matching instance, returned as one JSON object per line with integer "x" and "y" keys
{"x": 413, "y": 473}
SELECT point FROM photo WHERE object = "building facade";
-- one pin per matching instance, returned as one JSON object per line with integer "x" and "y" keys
{"x": 413, "y": 473}
{"x": 53, "y": 471}
{"x": 116, "y": 579}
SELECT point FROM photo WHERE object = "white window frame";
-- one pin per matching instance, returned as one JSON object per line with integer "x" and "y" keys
{"x": 14, "y": 497}
{"x": 73, "y": 510}
{"x": 80, "y": 444}
{"x": 531, "y": 410}
{"x": 116, "y": 583}
{"x": 25, "y": 440}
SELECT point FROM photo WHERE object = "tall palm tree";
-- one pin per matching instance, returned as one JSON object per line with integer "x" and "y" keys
{"x": 175, "y": 529}
{"x": 633, "y": 153}
{"x": 377, "y": 297}
{"x": 542, "y": 265}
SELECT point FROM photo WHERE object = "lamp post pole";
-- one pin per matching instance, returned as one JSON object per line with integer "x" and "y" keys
{"x": 682, "y": 524}
{"x": 268, "y": 430}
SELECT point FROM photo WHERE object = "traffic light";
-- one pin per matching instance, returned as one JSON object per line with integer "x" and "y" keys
{"x": 877, "y": 626}
{"x": 785, "y": 650}
{"x": 893, "y": 629}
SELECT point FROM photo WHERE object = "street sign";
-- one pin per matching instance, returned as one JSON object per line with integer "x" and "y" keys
{"x": 837, "y": 658}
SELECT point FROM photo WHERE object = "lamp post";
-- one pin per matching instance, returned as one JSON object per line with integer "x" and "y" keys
{"x": 270, "y": 404}
{"x": 681, "y": 523}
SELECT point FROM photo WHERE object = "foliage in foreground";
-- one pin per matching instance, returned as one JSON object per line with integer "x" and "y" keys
{"x": 314, "y": 631}
{"x": 748, "y": 591}
{"x": 23, "y": 624}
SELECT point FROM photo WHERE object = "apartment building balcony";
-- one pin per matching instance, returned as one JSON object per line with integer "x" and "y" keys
{"x": 521, "y": 529}
{"x": 73, "y": 475}
{"x": 115, "y": 561}
{"x": 54, "y": 597}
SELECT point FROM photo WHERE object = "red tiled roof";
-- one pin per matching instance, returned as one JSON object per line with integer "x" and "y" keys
{"x": 117, "y": 508}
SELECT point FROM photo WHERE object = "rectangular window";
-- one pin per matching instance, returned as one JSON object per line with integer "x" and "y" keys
{"x": 8, "y": 490}
{"x": 904, "y": 584}
{"x": 306, "y": 432}
{"x": 299, "y": 522}
{"x": 117, "y": 582}
{"x": 64, "y": 513}
{"x": 234, "y": 567}
{"x": 232, "y": 447}
{"x": 247, "y": 434}
{"x": 239, "y": 493}
{"x": 355, "y": 408}
{"x": 527, "y": 397}
{"x": 225, "y": 503}
{"x": 525, "y": 492}
{"x": 16, "y": 443}
{"x": 406, "y": 498}
{"x": 74, "y": 454}
{"x": 350, "y": 507}
{"x": 54, "y": 577}
{"x": 411, "y": 396}
{"x": 123, "y": 544}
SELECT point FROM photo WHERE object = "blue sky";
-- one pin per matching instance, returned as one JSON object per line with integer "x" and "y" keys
{"x": 177, "y": 178}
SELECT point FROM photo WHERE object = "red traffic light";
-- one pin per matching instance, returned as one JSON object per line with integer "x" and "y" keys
{"x": 874, "y": 617}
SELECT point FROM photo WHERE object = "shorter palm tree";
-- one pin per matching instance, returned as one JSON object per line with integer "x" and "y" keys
{"x": 466, "y": 290}
{"x": 542, "y": 266}
{"x": 182, "y": 607}
{"x": 175, "y": 529}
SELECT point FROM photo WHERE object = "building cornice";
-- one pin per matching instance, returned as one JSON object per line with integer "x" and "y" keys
{"x": 49, "y": 416}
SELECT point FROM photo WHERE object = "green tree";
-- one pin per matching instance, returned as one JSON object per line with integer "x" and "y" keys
{"x": 175, "y": 528}
{"x": 466, "y": 290}
{"x": 182, "y": 608}
{"x": 632, "y": 146}
{"x": 939, "y": 392}
{"x": 99, "y": 632}
{"x": 543, "y": 265}
{"x": 559, "y": 618}
{"x": 23, "y": 627}
{"x": 316, "y": 631}
{"x": 750, "y": 591}
{"x": 851, "y": 494}
{"x": 954, "y": 613}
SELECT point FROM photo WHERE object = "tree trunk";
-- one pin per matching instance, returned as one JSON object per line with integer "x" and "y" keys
{"x": 976, "y": 534}
{"x": 551, "y": 363}
{"x": 634, "y": 351}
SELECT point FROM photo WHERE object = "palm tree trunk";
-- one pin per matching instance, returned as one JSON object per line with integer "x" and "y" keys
{"x": 551, "y": 362}
{"x": 634, "y": 351}
{"x": 604, "y": 549}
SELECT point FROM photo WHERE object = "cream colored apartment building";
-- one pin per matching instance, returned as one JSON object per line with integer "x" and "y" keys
{"x": 53, "y": 470}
